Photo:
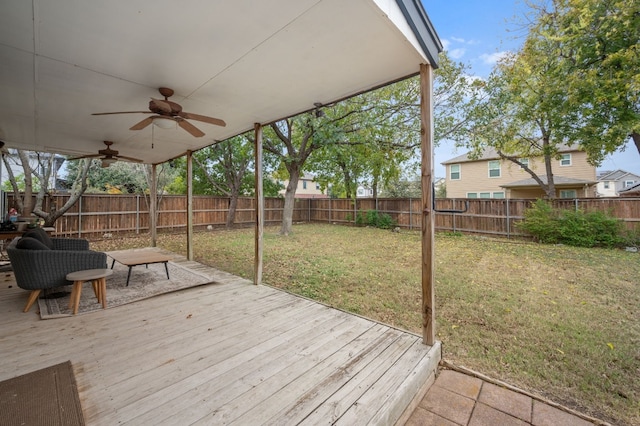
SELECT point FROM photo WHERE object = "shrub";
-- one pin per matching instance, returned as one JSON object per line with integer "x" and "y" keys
{"x": 571, "y": 227}
{"x": 541, "y": 221}
{"x": 375, "y": 219}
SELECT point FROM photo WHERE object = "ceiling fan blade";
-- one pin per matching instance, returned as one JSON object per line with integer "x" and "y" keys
{"x": 131, "y": 159}
{"x": 122, "y": 112}
{"x": 190, "y": 128}
{"x": 203, "y": 118}
{"x": 142, "y": 124}
{"x": 84, "y": 156}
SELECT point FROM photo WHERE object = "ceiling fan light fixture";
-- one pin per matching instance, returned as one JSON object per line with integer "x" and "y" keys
{"x": 164, "y": 123}
{"x": 107, "y": 161}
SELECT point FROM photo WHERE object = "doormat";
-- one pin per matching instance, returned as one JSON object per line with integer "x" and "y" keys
{"x": 143, "y": 284}
{"x": 47, "y": 397}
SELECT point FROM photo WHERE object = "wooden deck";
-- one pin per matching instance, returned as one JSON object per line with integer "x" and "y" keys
{"x": 224, "y": 353}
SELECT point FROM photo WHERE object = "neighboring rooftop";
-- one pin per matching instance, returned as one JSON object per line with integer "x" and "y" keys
{"x": 492, "y": 154}
{"x": 558, "y": 181}
{"x": 614, "y": 175}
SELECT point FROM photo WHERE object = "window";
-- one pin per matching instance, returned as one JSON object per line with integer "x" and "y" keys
{"x": 472, "y": 195}
{"x": 498, "y": 195}
{"x": 304, "y": 184}
{"x": 485, "y": 195}
{"x": 524, "y": 161}
{"x": 568, "y": 193}
{"x": 454, "y": 172}
{"x": 317, "y": 186}
{"x": 629, "y": 183}
{"x": 494, "y": 169}
{"x": 606, "y": 185}
{"x": 565, "y": 160}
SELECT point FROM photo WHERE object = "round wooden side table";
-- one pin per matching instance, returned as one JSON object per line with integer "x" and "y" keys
{"x": 98, "y": 278}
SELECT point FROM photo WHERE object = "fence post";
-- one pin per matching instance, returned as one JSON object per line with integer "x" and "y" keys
{"x": 80, "y": 216}
{"x": 355, "y": 209}
{"x": 453, "y": 202}
{"x": 329, "y": 211}
{"x": 575, "y": 202}
{"x": 508, "y": 219}
{"x": 137, "y": 213}
{"x": 410, "y": 215}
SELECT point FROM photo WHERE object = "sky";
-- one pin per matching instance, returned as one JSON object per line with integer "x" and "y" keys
{"x": 477, "y": 33}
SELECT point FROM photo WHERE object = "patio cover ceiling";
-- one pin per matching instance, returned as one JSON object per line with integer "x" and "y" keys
{"x": 244, "y": 61}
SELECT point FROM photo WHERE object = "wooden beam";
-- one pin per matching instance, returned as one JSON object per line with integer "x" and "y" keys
{"x": 189, "y": 205}
{"x": 153, "y": 205}
{"x": 259, "y": 205}
{"x": 428, "y": 215}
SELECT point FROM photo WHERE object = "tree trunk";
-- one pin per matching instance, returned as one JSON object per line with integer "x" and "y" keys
{"x": 636, "y": 139}
{"x": 289, "y": 202}
{"x": 374, "y": 187}
{"x": 231, "y": 214}
{"x": 550, "y": 188}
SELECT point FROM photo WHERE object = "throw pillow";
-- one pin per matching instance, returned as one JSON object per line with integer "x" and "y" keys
{"x": 28, "y": 243}
{"x": 40, "y": 235}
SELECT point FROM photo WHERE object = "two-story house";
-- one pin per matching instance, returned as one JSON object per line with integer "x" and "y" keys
{"x": 307, "y": 188}
{"x": 490, "y": 176}
{"x": 611, "y": 183}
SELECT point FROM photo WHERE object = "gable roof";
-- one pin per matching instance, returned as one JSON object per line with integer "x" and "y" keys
{"x": 491, "y": 154}
{"x": 243, "y": 61}
{"x": 616, "y": 175}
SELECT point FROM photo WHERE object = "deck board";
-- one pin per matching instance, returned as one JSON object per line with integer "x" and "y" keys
{"x": 223, "y": 353}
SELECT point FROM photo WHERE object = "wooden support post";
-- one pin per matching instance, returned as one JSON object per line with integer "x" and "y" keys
{"x": 189, "y": 205}
{"x": 428, "y": 215}
{"x": 153, "y": 205}
{"x": 259, "y": 205}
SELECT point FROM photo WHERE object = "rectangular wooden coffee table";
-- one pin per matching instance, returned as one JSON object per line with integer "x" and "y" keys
{"x": 132, "y": 259}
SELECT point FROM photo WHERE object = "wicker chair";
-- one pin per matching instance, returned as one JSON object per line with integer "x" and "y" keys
{"x": 40, "y": 269}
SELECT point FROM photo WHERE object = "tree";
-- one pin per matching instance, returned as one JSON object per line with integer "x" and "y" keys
{"x": 41, "y": 167}
{"x": 292, "y": 141}
{"x": 522, "y": 115}
{"x": 225, "y": 166}
{"x": 120, "y": 177}
{"x": 597, "y": 42}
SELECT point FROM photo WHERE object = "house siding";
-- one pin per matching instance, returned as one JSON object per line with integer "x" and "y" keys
{"x": 474, "y": 176}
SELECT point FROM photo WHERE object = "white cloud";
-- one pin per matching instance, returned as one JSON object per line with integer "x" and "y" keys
{"x": 458, "y": 39}
{"x": 456, "y": 53}
{"x": 493, "y": 58}
{"x": 445, "y": 43}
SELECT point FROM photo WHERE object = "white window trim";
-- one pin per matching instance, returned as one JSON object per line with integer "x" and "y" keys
{"x": 499, "y": 169}
{"x": 525, "y": 161}
{"x": 474, "y": 193}
{"x": 480, "y": 195}
{"x": 629, "y": 183}
{"x": 563, "y": 159}
{"x": 493, "y": 195}
{"x": 459, "y": 171}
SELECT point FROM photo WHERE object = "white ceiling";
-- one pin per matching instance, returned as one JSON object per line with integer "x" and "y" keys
{"x": 244, "y": 61}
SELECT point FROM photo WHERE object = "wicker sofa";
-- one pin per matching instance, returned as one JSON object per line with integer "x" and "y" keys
{"x": 40, "y": 262}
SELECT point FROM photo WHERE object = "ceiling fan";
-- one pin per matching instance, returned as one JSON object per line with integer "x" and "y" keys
{"x": 169, "y": 110}
{"x": 109, "y": 156}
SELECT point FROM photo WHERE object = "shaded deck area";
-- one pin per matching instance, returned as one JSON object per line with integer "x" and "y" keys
{"x": 223, "y": 353}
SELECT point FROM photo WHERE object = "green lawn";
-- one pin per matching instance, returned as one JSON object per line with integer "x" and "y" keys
{"x": 559, "y": 321}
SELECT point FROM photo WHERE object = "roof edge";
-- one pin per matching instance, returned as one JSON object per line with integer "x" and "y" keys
{"x": 423, "y": 29}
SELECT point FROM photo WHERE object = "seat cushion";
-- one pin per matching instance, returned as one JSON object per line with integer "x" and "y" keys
{"x": 40, "y": 235}
{"x": 28, "y": 243}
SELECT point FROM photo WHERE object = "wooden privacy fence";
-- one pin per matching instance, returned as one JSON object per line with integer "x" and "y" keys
{"x": 96, "y": 215}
